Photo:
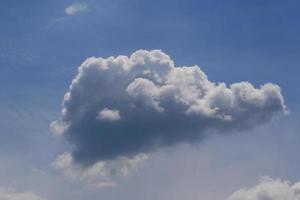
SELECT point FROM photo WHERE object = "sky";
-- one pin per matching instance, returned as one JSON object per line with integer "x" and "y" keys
{"x": 78, "y": 124}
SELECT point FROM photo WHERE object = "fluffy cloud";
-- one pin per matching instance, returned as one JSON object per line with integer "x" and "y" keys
{"x": 76, "y": 8}
{"x": 109, "y": 115}
{"x": 11, "y": 194}
{"x": 122, "y": 106}
{"x": 100, "y": 173}
{"x": 269, "y": 189}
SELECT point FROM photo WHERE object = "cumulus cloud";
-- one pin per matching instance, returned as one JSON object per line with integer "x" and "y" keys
{"x": 122, "y": 106}
{"x": 269, "y": 189}
{"x": 99, "y": 174}
{"x": 11, "y": 194}
{"x": 76, "y": 8}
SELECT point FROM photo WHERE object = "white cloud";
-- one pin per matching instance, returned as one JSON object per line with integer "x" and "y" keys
{"x": 57, "y": 128}
{"x": 155, "y": 103}
{"x": 109, "y": 115}
{"x": 269, "y": 189}
{"x": 76, "y": 8}
{"x": 11, "y": 194}
{"x": 101, "y": 173}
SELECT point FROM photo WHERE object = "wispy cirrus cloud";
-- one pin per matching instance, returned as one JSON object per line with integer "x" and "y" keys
{"x": 71, "y": 10}
{"x": 99, "y": 174}
{"x": 11, "y": 194}
{"x": 76, "y": 8}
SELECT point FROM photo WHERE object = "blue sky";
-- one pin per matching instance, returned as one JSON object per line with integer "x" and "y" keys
{"x": 41, "y": 47}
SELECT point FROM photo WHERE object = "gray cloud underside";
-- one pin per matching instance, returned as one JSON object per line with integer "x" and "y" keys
{"x": 121, "y": 106}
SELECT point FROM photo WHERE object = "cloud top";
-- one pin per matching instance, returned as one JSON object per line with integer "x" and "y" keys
{"x": 122, "y": 106}
{"x": 269, "y": 189}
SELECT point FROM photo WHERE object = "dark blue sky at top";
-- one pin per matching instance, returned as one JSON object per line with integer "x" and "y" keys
{"x": 41, "y": 47}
